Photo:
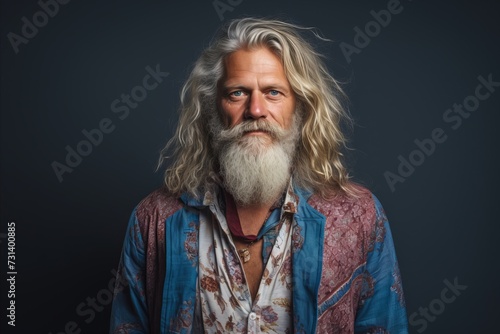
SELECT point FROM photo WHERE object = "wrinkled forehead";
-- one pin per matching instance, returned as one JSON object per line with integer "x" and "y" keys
{"x": 259, "y": 61}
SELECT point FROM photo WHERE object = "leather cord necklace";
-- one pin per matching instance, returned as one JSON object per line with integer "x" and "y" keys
{"x": 244, "y": 253}
{"x": 234, "y": 224}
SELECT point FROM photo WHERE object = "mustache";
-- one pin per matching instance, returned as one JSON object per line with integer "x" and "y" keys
{"x": 239, "y": 130}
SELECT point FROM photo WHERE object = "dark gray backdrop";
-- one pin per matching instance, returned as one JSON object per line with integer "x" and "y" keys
{"x": 65, "y": 76}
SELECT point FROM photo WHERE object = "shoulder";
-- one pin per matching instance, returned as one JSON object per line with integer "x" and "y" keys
{"x": 158, "y": 204}
{"x": 362, "y": 202}
{"x": 344, "y": 212}
{"x": 155, "y": 208}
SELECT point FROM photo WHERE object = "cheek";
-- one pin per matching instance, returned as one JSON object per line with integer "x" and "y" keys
{"x": 223, "y": 112}
{"x": 231, "y": 114}
{"x": 287, "y": 114}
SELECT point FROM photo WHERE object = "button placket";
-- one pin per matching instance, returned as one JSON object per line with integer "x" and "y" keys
{"x": 253, "y": 323}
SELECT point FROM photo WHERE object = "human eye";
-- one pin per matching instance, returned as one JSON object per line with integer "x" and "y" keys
{"x": 273, "y": 93}
{"x": 236, "y": 93}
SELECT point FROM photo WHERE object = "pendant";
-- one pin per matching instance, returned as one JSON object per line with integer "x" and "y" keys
{"x": 244, "y": 254}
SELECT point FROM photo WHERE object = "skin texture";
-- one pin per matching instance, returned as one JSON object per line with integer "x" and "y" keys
{"x": 255, "y": 87}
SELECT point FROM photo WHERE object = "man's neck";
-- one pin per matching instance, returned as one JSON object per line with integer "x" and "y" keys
{"x": 252, "y": 217}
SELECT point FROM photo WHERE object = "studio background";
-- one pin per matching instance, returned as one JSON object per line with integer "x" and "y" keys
{"x": 65, "y": 78}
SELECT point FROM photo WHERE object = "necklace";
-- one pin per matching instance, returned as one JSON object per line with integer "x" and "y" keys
{"x": 234, "y": 224}
{"x": 244, "y": 253}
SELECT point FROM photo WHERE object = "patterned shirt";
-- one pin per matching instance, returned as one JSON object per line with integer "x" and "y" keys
{"x": 224, "y": 300}
{"x": 344, "y": 270}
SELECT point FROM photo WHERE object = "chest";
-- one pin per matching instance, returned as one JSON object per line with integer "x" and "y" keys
{"x": 250, "y": 296}
{"x": 252, "y": 263}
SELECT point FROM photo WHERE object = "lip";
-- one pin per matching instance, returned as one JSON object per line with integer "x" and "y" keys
{"x": 256, "y": 133}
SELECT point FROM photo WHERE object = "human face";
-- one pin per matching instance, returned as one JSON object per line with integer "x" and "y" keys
{"x": 255, "y": 87}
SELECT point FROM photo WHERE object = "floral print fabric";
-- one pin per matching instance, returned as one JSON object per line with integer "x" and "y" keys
{"x": 225, "y": 301}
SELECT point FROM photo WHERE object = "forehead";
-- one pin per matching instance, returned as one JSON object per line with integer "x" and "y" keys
{"x": 260, "y": 62}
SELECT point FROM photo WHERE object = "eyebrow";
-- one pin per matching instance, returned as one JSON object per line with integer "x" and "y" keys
{"x": 227, "y": 88}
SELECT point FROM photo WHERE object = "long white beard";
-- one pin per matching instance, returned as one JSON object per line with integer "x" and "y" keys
{"x": 255, "y": 169}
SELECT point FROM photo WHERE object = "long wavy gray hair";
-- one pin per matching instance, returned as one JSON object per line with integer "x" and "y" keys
{"x": 318, "y": 164}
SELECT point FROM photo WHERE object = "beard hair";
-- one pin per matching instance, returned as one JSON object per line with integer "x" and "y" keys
{"x": 255, "y": 169}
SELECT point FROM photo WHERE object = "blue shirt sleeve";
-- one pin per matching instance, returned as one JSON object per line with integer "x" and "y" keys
{"x": 382, "y": 306}
{"x": 129, "y": 310}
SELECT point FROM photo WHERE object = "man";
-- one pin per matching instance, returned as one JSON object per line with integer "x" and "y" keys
{"x": 258, "y": 228}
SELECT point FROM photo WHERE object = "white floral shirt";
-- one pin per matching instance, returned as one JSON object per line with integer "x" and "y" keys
{"x": 225, "y": 303}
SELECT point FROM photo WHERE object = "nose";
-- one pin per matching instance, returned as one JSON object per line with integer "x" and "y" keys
{"x": 256, "y": 107}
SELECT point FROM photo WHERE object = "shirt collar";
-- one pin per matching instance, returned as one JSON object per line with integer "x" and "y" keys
{"x": 213, "y": 196}
{"x": 291, "y": 199}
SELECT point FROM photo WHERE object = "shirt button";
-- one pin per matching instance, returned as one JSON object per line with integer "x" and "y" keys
{"x": 253, "y": 316}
